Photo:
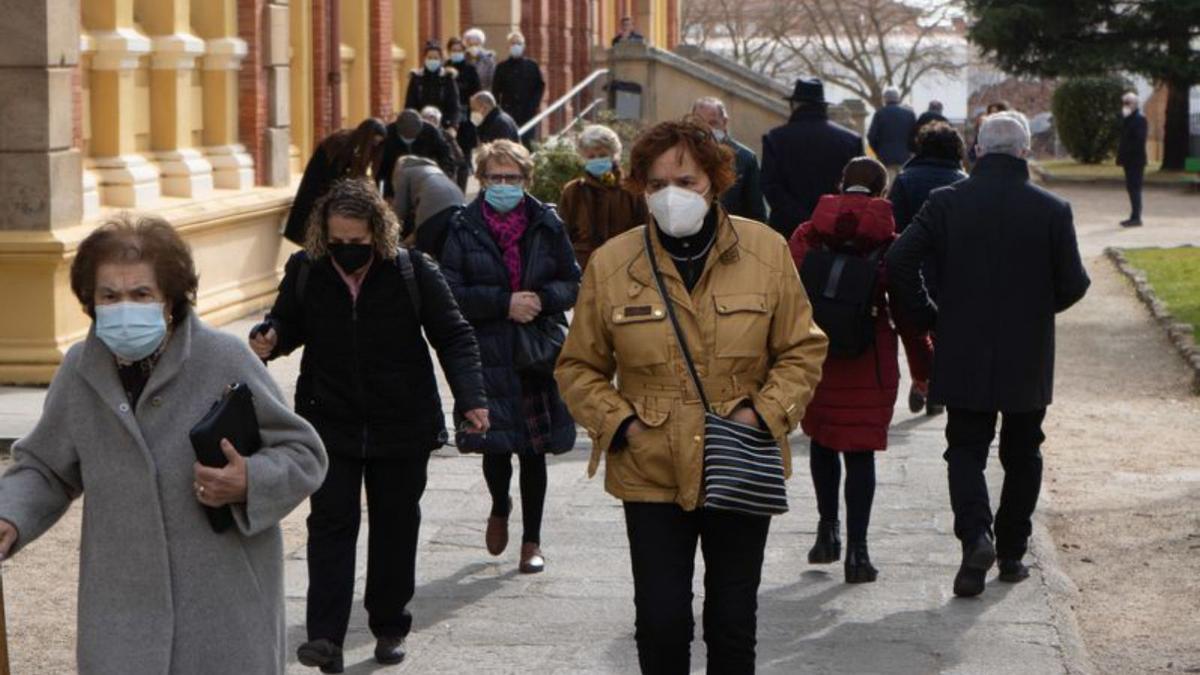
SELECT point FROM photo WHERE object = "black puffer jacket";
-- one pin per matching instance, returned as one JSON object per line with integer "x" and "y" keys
{"x": 437, "y": 89}
{"x": 366, "y": 379}
{"x": 473, "y": 264}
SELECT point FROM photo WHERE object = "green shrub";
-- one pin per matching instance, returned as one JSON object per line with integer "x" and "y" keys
{"x": 554, "y": 165}
{"x": 1086, "y": 115}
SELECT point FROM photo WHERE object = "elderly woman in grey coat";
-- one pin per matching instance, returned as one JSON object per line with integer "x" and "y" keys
{"x": 159, "y": 590}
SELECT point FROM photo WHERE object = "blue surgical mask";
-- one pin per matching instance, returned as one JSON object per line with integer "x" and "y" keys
{"x": 457, "y": 57}
{"x": 433, "y": 65}
{"x": 504, "y": 198}
{"x": 131, "y": 330}
{"x": 598, "y": 166}
{"x": 517, "y": 51}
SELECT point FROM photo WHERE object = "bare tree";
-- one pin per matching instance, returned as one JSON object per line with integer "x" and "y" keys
{"x": 741, "y": 29}
{"x": 866, "y": 46}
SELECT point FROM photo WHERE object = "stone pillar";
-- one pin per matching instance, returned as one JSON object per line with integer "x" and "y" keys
{"x": 406, "y": 45}
{"x": 126, "y": 178}
{"x": 263, "y": 112}
{"x": 356, "y": 36}
{"x": 300, "y": 69}
{"x": 40, "y": 172}
{"x": 278, "y": 141}
{"x": 174, "y": 51}
{"x": 216, "y": 22}
{"x": 496, "y": 18}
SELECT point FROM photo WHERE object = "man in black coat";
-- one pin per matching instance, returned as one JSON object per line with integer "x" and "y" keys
{"x": 411, "y": 135}
{"x": 1007, "y": 262}
{"x": 804, "y": 158}
{"x": 931, "y": 115}
{"x": 361, "y": 310}
{"x": 518, "y": 84}
{"x": 891, "y": 132}
{"x": 491, "y": 123}
{"x": 743, "y": 198}
{"x": 1131, "y": 155}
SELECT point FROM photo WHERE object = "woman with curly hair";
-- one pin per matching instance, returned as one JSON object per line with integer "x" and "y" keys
{"x": 357, "y": 302}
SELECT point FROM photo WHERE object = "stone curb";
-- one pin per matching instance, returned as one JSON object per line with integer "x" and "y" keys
{"x": 1062, "y": 593}
{"x": 1047, "y": 178}
{"x": 1181, "y": 335}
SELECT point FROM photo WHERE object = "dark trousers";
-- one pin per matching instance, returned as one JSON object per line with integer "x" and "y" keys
{"x": 1134, "y": 177}
{"x": 662, "y": 548}
{"x": 394, "y": 489}
{"x": 498, "y": 471}
{"x": 969, "y": 433}
{"x": 826, "y": 468}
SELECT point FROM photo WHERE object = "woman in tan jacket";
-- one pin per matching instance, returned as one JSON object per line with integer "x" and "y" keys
{"x": 748, "y": 325}
{"x": 597, "y": 207}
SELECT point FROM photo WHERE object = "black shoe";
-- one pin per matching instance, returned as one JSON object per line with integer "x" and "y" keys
{"x": 916, "y": 400}
{"x": 978, "y": 557}
{"x": 859, "y": 569}
{"x": 1132, "y": 222}
{"x": 1013, "y": 571}
{"x": 390, "y": 651}
{"x": 828, "y": 548}
{"x": 321, "y": 654}
{"x": 934, "y": 409}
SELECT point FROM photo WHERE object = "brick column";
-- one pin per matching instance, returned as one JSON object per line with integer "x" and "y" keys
{"x": 382, "y": 63}
{"x": 40, "y": 171}
{"x": 252, "y": 86}
{"x": 263, "y": 113}
{"x": 466, "y": 16}
{"x": 557, "y": 64}
{"x": 321, "y": 103}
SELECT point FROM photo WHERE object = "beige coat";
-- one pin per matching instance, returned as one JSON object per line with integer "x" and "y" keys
{"x": 159, "y": 591}
{"x": 748, "y": 325}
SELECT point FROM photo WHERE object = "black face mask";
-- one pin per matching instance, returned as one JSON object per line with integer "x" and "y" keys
{"x": 351, "y": 257}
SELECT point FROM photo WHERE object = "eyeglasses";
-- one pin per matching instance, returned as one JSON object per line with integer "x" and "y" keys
{"x": 504, "y": 178}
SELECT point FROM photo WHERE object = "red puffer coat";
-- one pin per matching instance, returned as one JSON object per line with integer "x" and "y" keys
{"x": 853, "y": 405}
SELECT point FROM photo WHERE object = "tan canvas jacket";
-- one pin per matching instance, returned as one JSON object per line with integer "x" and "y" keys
{"x": 748, "y": 325}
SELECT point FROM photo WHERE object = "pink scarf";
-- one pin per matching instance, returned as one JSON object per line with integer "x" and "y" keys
{"x": 506, "y": 229}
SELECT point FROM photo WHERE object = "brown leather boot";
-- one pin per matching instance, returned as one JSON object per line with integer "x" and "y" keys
{"x": 532, "y": 561}
{"x": 496, "y": 536}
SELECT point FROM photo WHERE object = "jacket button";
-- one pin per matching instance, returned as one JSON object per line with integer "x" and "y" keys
{"x": 696, "y": 439}
{"x": 124, "y": 407}
{"x": 156, "y": 402}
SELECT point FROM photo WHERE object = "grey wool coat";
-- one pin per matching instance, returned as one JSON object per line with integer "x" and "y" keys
{"x": 159, "y": 591}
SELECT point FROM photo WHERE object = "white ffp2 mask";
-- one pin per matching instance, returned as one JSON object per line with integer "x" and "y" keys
{"x": 678, "y": 211}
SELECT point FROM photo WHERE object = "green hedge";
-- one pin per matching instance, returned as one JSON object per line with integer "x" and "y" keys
{"x": 1087, "y": 116}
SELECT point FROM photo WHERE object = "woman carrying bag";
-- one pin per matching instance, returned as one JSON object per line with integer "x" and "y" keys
{"x": 721, "y": 292}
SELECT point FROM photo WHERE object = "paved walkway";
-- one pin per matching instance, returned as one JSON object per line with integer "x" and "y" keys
{"x": 474, "y": 613}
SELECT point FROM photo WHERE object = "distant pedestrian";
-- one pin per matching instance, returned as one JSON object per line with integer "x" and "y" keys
{"x": 804, "y": 158}
{"x": 1131, "y": 155}
{"x": 509, "y": 261}
{"x": 1007, "y": 261}
{"x": 519, "y": 85}
{"x": 992, "y": 108}
{"x": 890, "y": 132}
{"x": 361, "y": 308}
{"x": 933, "y": 114}
{"x": 850, "y": 413}
{"x": 159, "y": 591}
{"x": 346, "y": 153}
{"x": 412, "y": 135}
{"x": 466, "y": 75}
{"x": 491, "y": 123}
{"x": 628, "y": 32}
{"x": 433, "y": 117}
{"x": 425, "y": 202}
{"x": 742, "y": 309}
{"x": 744, "y": 198}
{"x": 479, "y": 56}
{"x": 596, "y": 206}
{"x": 434, "y": 84}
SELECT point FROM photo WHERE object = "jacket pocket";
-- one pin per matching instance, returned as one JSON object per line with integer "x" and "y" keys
{"x": 647, "y": 461}
{"x": 640, "y": 334}
{"x": 743, "y": 324}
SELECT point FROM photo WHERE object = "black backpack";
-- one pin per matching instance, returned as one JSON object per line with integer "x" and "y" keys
{"x": 842, "y": 287}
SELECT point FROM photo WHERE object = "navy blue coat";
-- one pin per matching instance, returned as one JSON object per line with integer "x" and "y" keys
{"x": 921, "y": 176}
{"x": 891, "y": 129}
{"x": 473, "y": 265}
{"x": 1007, "y": 261}
{"x": 744, "y": 198}
{"x": 803, "y": 160}
{"x": 1131, "y": 151}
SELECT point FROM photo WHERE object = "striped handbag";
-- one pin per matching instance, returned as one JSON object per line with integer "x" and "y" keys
{"x": 743, "y": 465}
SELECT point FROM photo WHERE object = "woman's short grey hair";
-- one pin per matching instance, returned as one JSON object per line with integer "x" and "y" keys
{"x": 1131, "y": 98}
{"x": 475, "y": 34}
{"x": 598, "y": 136}
{"x": 1004, "y": 132}
{"x": 486, "y": 98}
{"x": 432, "y": 115}
{"x": 503, "y": 150}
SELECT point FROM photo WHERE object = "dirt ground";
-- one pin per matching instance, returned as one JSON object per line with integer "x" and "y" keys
{"x": 1122, "y": 482}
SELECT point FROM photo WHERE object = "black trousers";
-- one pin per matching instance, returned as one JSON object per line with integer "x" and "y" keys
{"x": 826, "y": 469}
{"x": 662, "y": 548}
{"x": 394, "y": 489}
{"x": 1134, "y": 178}
{"x": 497, "y": 473}
{"x": 969, "y": 433}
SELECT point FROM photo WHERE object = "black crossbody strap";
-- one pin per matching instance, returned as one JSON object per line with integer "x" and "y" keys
{"x": 683, "y": 348}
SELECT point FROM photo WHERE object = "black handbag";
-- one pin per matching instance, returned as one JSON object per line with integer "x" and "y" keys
{"x": 537, "y": 345}
{"x": 743, "y": 465}
{"x": 231, "y": 418}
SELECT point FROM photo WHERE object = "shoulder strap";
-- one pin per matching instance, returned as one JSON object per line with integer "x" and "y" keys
{"x": 409, "y": 273}
{"x": 683, "y": 348}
